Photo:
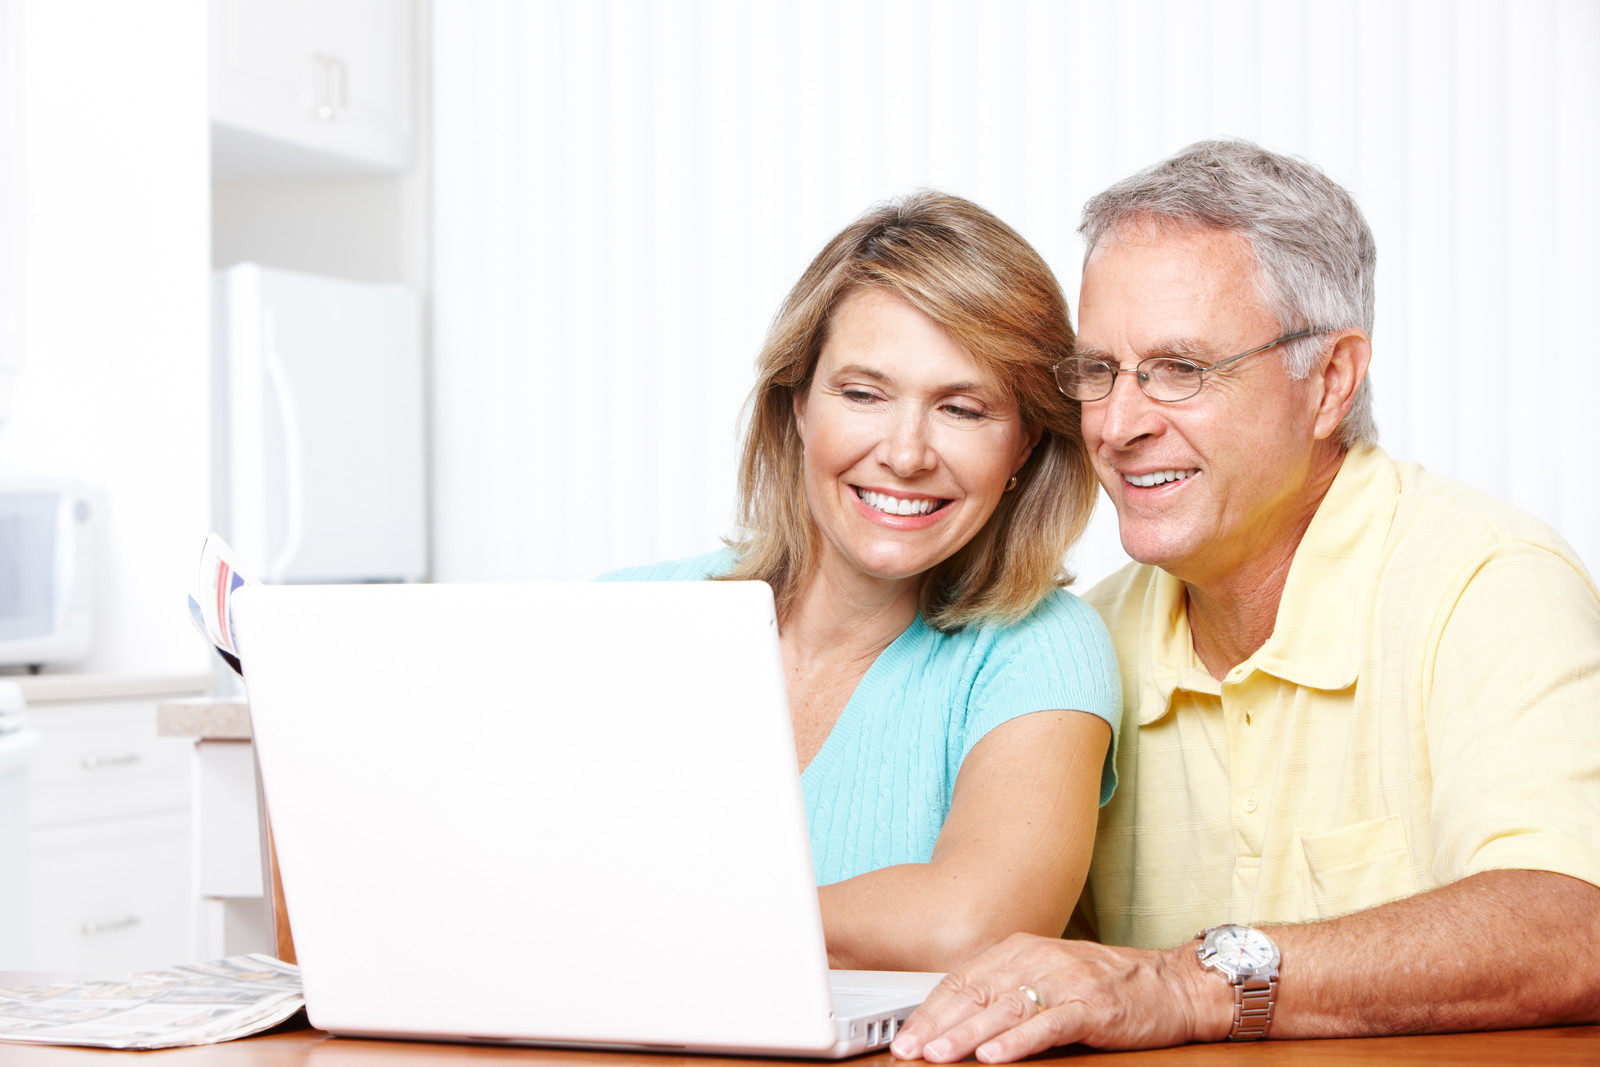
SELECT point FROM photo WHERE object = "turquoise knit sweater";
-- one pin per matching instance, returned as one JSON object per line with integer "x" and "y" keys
{"x": 879, "y": 789}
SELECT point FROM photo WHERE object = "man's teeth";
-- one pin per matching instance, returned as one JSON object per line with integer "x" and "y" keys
{"x": 894, "y": 505}
{"x": 1158, "y": 477}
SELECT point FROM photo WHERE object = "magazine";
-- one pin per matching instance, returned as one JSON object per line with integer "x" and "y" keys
{"x": 212, "y": 610}
{"x": 188, "y": 1004}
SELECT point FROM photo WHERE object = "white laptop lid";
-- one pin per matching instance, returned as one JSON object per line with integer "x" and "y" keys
{"x": 547, "y": 812}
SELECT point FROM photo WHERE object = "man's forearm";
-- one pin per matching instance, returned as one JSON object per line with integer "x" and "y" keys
{"x": 1496, "y": 950}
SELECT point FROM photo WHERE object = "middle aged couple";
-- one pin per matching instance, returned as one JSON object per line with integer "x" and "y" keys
{"x": 1357, "y": 704}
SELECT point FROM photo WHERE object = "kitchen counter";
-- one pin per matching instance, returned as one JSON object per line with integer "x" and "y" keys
{"x": 59, "y": 688}
{"x": 204, "y": 718}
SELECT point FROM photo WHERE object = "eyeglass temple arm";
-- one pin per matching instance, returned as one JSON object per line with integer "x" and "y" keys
{"x": 1262, "y": 348}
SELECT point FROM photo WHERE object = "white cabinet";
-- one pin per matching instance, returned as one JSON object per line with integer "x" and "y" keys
{"x": 311, "y": 86}
{"x": 110, "y": 880}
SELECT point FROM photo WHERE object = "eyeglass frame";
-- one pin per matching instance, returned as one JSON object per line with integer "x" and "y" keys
{"x": 1055, "y": 371}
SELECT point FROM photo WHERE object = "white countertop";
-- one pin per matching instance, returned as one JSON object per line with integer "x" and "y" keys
{"x": 55, "y": 688}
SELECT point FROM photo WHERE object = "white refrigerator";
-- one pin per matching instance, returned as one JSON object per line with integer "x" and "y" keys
{"x": 318, "y": 427}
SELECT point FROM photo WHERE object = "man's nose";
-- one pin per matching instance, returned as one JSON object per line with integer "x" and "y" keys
{"x": 1126, "y": 413}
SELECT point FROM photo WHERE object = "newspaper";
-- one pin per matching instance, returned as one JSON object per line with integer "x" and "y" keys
{"x": 212, "y": 611}
{"x": 189, "y": 1004}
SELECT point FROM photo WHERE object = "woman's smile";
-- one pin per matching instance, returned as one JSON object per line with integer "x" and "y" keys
{"x": 894, "y": 505}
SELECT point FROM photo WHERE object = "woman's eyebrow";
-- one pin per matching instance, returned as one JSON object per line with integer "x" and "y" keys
{"x": 863, "y": 371}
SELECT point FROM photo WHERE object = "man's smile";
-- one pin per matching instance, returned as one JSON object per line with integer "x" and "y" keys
{"x": 1145, "y": 481}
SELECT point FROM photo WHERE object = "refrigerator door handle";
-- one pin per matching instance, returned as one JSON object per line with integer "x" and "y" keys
{"x": 294, "y": 511}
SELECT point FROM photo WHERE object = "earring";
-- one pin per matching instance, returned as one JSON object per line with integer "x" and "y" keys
{"x": 1012, "y": 484}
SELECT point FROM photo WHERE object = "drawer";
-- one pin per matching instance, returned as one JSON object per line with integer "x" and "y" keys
{"x": 98, "y": 760}
{"x": 111, "y": 896}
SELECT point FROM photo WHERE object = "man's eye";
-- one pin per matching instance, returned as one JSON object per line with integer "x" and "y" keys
{"x": 1178, "y": 371}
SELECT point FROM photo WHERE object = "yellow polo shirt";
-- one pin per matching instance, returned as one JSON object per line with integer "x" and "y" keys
{"x": 1427, "y": 707}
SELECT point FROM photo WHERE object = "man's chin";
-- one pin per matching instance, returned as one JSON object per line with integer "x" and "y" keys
{"x": 1156, "y": 551}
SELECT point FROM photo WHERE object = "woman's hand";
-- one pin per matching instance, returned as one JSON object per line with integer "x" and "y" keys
{"x": 1012, "y": 855}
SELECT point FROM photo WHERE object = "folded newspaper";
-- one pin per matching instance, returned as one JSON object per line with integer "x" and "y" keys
{"x": 190, "y": 1004}
{"x": 212, "y": 611}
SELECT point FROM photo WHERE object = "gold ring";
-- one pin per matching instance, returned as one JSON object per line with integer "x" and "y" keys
{"x": 1033, "y": 995}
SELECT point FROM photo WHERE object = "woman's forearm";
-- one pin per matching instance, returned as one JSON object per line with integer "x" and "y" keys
{"x": 1012, "y": 856}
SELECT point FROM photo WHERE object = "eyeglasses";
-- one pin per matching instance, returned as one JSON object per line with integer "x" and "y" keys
{"x": 1165, "y": 378}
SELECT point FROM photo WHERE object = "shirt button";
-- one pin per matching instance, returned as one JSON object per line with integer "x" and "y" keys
{"x": 1250, "y": 804}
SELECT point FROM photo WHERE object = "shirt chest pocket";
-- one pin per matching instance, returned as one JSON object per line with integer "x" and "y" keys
{"x": 1358, "y": 866}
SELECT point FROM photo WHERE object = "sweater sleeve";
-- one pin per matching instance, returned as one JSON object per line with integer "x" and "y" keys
{"x": 1060, "y": 658}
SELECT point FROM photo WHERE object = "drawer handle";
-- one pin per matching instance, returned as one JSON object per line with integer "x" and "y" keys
{"x": 95, "y": 763}
{"x": 91, "y": 928}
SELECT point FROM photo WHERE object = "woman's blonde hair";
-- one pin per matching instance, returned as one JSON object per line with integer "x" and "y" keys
{"x": 992, "y": 293}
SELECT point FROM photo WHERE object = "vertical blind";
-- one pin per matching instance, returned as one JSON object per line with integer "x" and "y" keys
{"x": 625, "y": 190}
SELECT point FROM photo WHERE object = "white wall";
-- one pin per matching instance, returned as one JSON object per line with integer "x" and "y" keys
{"x": 624, "y": 191}
{"x": 11, "y": 156}
{"x": 112, "y": 385}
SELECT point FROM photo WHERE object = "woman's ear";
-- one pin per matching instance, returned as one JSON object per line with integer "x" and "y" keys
{"x": 797, "y": 399}
{"x": 1032, "y": 433}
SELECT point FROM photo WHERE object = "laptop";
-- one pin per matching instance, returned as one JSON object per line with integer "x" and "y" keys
{"x": 548, "y": 814}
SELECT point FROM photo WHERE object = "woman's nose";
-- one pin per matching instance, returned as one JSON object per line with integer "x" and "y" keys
{"x": 908, "y": 450}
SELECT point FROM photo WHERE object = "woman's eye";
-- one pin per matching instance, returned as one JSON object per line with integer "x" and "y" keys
{"x": 858, "y": 396}
{"x": 963, "y": 412}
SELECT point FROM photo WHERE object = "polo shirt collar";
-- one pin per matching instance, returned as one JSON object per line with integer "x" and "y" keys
{"x": 1314, "y": 641}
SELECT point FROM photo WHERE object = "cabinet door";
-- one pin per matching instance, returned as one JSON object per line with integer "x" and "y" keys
{"x": 311, "y": 87}
{"x": 103, "y": 760}
{"x": 364, "y": 47}
{"x": 111, "y": 895}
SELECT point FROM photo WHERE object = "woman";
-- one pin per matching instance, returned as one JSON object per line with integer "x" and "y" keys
{"x": 911, "y": 482}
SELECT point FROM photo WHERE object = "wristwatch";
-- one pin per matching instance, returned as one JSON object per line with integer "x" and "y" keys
{"x": 1249, "y": 960}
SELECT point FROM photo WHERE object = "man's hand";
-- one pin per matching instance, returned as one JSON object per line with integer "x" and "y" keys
{"x": 1089, "y": 994}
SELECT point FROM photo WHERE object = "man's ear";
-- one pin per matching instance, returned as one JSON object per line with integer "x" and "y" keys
{"x": 1340, "y": 376}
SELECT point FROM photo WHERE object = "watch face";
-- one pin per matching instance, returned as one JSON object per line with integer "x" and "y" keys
{"x": 1239, "y": 951}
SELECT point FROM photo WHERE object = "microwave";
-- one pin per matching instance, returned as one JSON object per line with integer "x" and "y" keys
{"x": 46, "y": 570}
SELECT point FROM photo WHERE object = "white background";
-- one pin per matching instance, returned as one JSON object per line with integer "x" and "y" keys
{"x": 103, "y": 142}
{"x": 624, "y": 191}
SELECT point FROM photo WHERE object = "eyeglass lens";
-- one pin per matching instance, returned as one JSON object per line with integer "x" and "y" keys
{"x": 1160, "y": 377}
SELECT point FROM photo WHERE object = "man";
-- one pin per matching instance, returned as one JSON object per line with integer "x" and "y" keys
{"x": 1362, "y": 703}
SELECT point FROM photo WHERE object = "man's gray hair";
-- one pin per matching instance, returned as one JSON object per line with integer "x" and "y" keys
{"x": 1314, "y": 252}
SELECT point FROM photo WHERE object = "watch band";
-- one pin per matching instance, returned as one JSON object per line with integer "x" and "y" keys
{"x": 1253, "y": 999}
{"x": 1253, "y": 976}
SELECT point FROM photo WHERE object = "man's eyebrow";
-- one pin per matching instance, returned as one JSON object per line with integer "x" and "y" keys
{"x": 1179, "y": 347}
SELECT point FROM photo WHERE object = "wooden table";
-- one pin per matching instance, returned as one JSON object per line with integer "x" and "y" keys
{"x": 1572, "y": 1045}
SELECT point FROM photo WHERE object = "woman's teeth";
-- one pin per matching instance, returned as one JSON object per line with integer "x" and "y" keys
{"x": 895, "y": 505}
{"x": 1158, "y": 477}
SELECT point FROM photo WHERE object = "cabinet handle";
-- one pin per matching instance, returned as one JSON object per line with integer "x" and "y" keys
{"x": 341, "y": 99}
{"x": 330, "y": 87}
{"x": 95, "y": 763}
{"x": 321, "y": 92}
{"x": 91, "y": 928}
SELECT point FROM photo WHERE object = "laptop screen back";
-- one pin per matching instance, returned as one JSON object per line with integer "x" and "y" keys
{"x": 560, "y": 812}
